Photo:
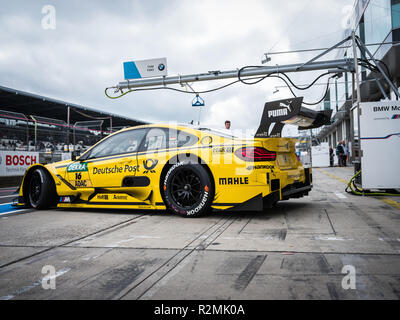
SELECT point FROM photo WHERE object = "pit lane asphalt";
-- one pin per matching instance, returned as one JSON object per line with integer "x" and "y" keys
{"x": 294, "y": 251}
{"x": 6, "y": 197}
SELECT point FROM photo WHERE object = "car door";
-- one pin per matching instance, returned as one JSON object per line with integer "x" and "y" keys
{"x": 158, "y": 146}
{"x": 113, "y": 159}
{"x": 150, "y": 160}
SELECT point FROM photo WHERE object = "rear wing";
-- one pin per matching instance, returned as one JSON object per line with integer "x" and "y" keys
{"x": 279, "y": 113}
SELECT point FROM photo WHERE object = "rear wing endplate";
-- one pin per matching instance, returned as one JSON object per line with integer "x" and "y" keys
{"x": 279, "y": 113}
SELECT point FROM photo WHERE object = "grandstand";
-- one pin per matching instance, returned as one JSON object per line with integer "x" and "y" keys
{"x": 30, "y": 122}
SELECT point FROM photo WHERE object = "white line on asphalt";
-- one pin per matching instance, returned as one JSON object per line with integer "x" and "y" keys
{"x": 8, "y": 188}
{"x": 116, "y": 244}
{"x": 340, "y": 195}
{"x": 389, "y": 239}
{"x": 35, "y": 284}
{"x": 11, "y": 212}
{"x": 11, "y": 195}
{"x": 331, "y": 238}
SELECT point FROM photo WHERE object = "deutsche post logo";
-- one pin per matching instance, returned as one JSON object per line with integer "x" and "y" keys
{"x": 149, "y": 165}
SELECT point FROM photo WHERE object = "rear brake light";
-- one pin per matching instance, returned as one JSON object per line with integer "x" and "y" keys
{"x": 255, "y": 154}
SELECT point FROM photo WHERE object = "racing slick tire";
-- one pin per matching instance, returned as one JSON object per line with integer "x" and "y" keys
{"x": 41, "y": 190}
{"x": 188, "y": 190}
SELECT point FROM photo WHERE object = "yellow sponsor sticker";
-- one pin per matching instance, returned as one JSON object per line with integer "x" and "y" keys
{"x": 82, "y": 183}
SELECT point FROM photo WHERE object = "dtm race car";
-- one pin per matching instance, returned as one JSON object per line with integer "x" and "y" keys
{"x": 183, "y": 169}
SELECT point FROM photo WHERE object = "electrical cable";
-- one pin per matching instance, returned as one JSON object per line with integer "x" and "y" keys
{"x": 371, "y": 65}
{"x": 306, "y": 103}
{"x": 254, "y": 82}
{"x": 240, "y": 79}
{"x": 359, "y": 192}
{"x": 273, "y": 75}
{"x": 306, "y": 87}
{"x": 365, "y": 63}
{"x": 167, "y": 88}
{"x": 323, "y": 97}
{"x": 116, "y": 97}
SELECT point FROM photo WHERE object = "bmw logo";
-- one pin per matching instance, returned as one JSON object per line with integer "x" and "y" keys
{"x": 161, "y": 67}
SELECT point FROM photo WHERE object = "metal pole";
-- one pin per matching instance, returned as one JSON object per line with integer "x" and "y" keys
{"x": 357, "y": 77}
{"x": 36, "y": 146}
{"x": 324, "y": 53}
{"x": 68, "y": 119}
{"x": 344, "y": 65}
{"x": 27, "y": 134}
{"x": 111, "y": 126}
{"x": 353, "y": 82}
{"x": 394, "y": 43}
{"x": 361, "y": 45}
{"x": 336, "y": 95}
{"x": 377, "y": 80}
{"x": 311, "y": 141}
{"x": 381, "y": 88}
{"x": 198, "y": 122}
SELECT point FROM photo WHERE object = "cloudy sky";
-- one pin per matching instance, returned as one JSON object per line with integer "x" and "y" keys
{"x": 83, "y": 55}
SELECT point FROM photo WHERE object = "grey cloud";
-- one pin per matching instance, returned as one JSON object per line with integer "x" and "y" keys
{"x": 84, "y": 54}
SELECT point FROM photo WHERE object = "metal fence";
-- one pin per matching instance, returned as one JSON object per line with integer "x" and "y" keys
{"x": 19, "y": 132}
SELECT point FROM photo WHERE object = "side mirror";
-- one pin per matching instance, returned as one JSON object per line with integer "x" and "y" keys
{"x": 74, "y": 155}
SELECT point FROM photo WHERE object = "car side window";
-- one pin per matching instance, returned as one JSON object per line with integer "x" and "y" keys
{"x": 179, "y": 139}
{"x": 156, "y": 139}
{"x": 120, "y": 143}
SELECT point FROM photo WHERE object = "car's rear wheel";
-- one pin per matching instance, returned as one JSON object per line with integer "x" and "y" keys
{"x": 41, "y": 190}
{"x": 188, "y": 190}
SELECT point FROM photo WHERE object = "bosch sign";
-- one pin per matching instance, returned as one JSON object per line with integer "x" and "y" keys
{"x": 20, "y": 160}
{"x": 15, "y": 163}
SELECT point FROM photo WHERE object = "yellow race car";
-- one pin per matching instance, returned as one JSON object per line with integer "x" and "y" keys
{"x": 186, "y": 170}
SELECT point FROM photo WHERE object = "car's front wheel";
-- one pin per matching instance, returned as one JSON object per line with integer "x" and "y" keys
{"x": 41, "y": 190}
{"x": 188, "y": 190}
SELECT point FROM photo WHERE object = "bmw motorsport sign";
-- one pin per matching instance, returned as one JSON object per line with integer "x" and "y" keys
{"x": 145, "y": 68}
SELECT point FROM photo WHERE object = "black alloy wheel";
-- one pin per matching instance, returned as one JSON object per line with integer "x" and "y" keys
{"x": 35, "y": 188}
{"x": 188, "y": 190}
{"x": 41, "y": 190}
